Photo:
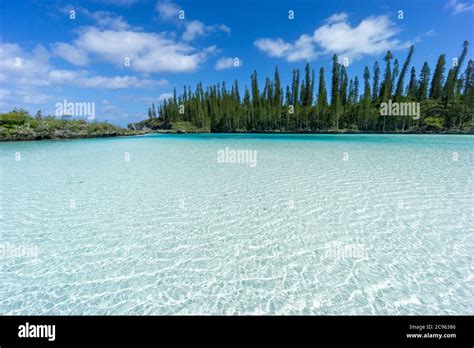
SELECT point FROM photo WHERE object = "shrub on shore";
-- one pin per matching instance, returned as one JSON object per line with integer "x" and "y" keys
{"x": 19, "y": 125}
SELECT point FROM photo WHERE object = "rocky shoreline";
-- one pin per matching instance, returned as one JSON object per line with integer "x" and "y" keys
{"x": 65, "y": 134}
{"x": 18, "y": 125}
{"x": 62, "y": 135}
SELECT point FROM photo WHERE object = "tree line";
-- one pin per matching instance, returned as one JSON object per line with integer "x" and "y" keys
{"x": 446, "y": 100}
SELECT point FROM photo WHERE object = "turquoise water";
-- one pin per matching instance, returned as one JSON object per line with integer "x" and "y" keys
{"x": 321, "y": 224}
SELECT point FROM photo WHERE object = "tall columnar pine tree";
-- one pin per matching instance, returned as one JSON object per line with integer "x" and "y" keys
{"x": 396, "y": 72}
{"x": 335, "y": 93}
{"x": 366, "y": 107}
{"x": 376, "y": 86}
{"x": 399, "y": 89}
{"x": 386, "y": 91}
{"x": 423, "y": 83}
{"x": 438, "y": 77}
{"x": 322, "y": 102}
{"x": 412, "y": 85}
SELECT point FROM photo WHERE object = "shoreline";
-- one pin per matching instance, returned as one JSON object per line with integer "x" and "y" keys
{"x": 178, "y": 132}
{"x": 313, "y": 132}
{"x": 338, "y": 132}
{"x": 68, "y": 137}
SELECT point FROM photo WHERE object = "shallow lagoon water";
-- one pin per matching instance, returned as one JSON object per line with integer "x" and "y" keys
{"x": 323, "y": 224}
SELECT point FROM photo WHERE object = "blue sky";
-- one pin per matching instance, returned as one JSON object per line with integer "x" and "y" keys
{"x": 46, "y": 56}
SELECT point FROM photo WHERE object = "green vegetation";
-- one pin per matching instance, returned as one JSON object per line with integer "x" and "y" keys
{"x": 19, "y": 125}
{"x": 446, "y": 102}
{"x": 157, "y": 124}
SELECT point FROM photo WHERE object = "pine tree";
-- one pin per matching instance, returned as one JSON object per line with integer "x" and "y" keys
{"x": 396, "y": 71}
{"x": 287, "y": 109}
{"x": 438, "y": 77}
{"x": 366, "y": 111}
{"x": 255, "y": 100}
{"x": 448, "y": 90}
{"x": 322, "y": 102}
{"x": 399, "y": 90}
{"x": 452, "y": 79}
{"x": 423, "y": 83}
{"x": 385, "y": 92}
{"x": 295, "y": 86}
{"x": 448, "y": 99}
{"x": 307, "y": 92}
{"x": 343, "y": 85}
{"x": 335, "y": 92}
{"x": 350, "y": 98}
{"x": 468, "y": 95}
{"x": 412, "y": 85}
{"x": 469, "y": 78}
{"x": 375, "y": 87}
{"x": 278, "y": 98}
{"x": 460, "y": 61}
{"x": 356, "y": 91}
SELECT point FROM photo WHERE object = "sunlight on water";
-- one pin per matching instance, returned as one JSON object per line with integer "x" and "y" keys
{"x": 320, "y": 224}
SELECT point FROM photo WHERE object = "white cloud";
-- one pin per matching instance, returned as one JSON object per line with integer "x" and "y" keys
{"x": 83, "y": 79}
{"x": 458, "y": 7}
{"x": 194, "y": 29}
{"x": 226, "y": 63}
{"x": 224, "y": 28}
{"x": 148, "y": 52}
{"x": 70, "y": 53}
{"x": 274, "y": 48}
{"x": 301, "y": 49}
{"x": 34, "y": 70}
{"x": 337, "y": 17}
{"x": 113, "y": 40}
{"x": 10, "y": 99}
{"x": 24, "y": 67}
{"x": 102, "y": 19}
{"x": 372, "y": 36}
{"x": 167, "y": 10}
{"x": 107, "y": 20}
